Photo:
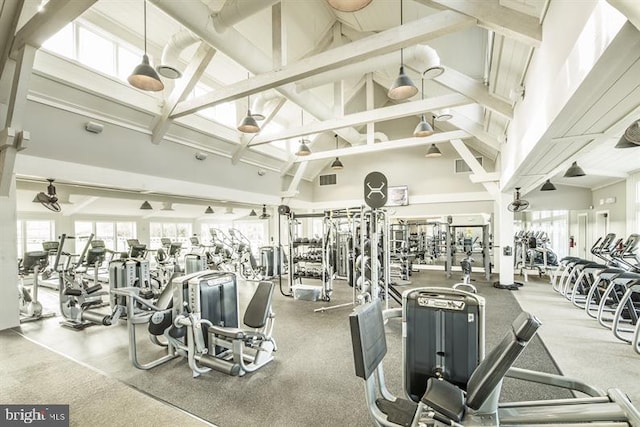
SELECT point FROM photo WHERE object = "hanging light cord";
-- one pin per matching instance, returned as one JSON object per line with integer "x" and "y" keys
{"x": 145, "y": 26}
{"x": 401, "y": 49}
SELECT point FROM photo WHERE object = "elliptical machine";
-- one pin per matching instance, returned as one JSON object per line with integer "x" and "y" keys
{"x": 30, "y": 308}
{"x": 78, "y": 298}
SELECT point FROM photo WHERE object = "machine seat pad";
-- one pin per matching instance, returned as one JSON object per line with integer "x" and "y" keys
{"x": 400, "y": 412}
{"x": 88, "y": 304}
{"x": 596, "y": 265}
{"x": 259, "y": 307}
{"x": 73, "y": 292}
{"x": 444, "y": 398}
{"x": 94, "y": 288}
{"x": 232, "y": 333}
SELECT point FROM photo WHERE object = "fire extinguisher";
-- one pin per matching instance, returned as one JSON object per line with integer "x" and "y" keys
{"x": 572, "y": 242}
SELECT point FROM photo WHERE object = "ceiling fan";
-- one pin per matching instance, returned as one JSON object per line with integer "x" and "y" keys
{"x": 518, "y": 204}
{"x": 49, "y": 199}
{"x": 264, "y": 214}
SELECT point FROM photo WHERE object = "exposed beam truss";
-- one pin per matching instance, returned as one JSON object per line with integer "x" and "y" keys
{"x": 378, "y": 44}
{"x": 183, "y": 88}
{"x": 492, "y": 16}
{"x": 384, "y": 146}
{"x": 480, "y": 175}
{"x": 9, "y": 15}
{"x": 380, "y": 114}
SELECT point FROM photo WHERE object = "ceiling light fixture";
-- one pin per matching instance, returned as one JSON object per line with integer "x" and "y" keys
{"x": 402, "y": 87}
{"x": 303, "y": 148}
{"x": 433, "y": 151}
{"x": 574, "y": 171}
{"x": 337, "y": 164}
{"x": 631, "y": 136}
{"x": 423, "y": 129}
{"x": 144, "y": 77}
{"x": 208, "y": 211}
{"x": 249, "y": 123}
{"x": 253, "y": 213}
{"x": 348, "y": 5}
{"x": 146, "y": 206}
{"x": 548, "y": 186}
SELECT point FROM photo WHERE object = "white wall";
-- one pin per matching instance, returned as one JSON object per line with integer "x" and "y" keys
{"x": 564, "y": 198}
{"x": 9, "y": 316}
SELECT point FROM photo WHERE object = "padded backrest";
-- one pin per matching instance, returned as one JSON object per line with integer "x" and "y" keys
{"x": 367, "y": 338}
{"x": 495, "y": 365}
{"x": 258, "y": 309}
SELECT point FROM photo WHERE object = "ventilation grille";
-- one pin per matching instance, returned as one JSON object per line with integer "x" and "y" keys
{"x": 328, "y": 179}
{"x": 462, "y": 167}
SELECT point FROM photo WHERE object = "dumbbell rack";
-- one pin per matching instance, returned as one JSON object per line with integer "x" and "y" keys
{"x": 308, "y": 262}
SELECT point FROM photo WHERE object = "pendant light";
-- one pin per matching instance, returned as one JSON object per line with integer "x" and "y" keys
{"x": 574, "y": 171}
{"x": 402, "y": 87}
{"x": 253, "y": 213}
{"x": 548, "y": 186}
{"x": 249, "y": 124}
{"x": 146, "y": 206}
{"x": 144, "y": 76}
{"x": 208, "y": 211}
{"x": 337, "y": 164}
{"x": 303, "y": 148}
{"x": 348, "y": 5}
{"x": 631, "y": 136}
{"x": 433, "y": 151}
{"x": 423, "y": 129}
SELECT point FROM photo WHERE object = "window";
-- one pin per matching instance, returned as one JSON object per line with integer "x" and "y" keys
{"x": 224, "y": 113}
{"x": 37, "y": 232}
{"x": 177, "y": 232}
{"x": 256, "y": 232}
{"x": 103, "y": 53}
{"x": 114, "y": 234}
{"x": 555, "y": 225}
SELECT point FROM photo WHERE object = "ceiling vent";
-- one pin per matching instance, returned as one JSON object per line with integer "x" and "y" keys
{"x": 461, "y": 166}
{"x": 328, "y": 179}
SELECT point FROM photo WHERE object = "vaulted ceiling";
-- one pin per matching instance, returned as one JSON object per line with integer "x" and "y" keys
{"x": 315, "y": 72}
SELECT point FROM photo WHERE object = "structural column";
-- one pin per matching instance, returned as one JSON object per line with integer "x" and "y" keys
{"x": 9, "y": 315}
{"x": 503, "y": 239}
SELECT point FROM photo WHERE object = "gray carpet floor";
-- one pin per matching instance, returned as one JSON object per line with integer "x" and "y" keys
{"x": 312, "y": 380}
{"x": 32, "y": 374}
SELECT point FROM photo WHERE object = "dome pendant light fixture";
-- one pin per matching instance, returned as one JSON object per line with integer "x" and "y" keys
{"x": 433, "y": 151}
{"x": 548, "y": 186}
{"x": 574, "y": 171}
{"x": 249, "y": 124}
{"x": 631, "y": 136}
{"x": 348, "y": 5}
{"x": 337, "y": 164}
{"x": 253, "y": 213}
{"x": 423, "y": 129}
{"x": 303, "y": 148}
{"x": 402, "y": 87}
{"x": 146, "y": 206}
{"x": 208, "y": 211}
{"x": 144, "y": 76}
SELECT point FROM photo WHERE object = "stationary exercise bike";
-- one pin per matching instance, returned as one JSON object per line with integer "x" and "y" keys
{"x": 30, "y": 308}
{"x": 465, "y": 265}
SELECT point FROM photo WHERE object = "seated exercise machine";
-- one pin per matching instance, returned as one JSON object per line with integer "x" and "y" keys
{"x": 200, "y": 323}
{"x": 476, "y": 403}
{"x": 33, "y": 263}
{"x": 78, "y": 297}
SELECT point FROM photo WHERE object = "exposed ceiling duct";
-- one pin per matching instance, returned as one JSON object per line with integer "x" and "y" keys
{"x": 170, "y": 64}
{"x": 235, "y": 11}
{"x": 237, "y": 47}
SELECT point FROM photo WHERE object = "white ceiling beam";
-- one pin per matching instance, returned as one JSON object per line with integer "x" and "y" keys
{"x": 492, "y": 16}
{"x": 475, "y": 166}
{"x": 76, "y": 208}
{"x": 380, "y": 114}
{"x": 487, "y": 177}
{"x": 278, "y": 37}
{"x": 390, "y": 40}
{"x": 475, "y": 90}
{"x": 55, "y": 15}
{"x": 384, "y": 146}
{"x": 464, "y": 123}
{"x": 246, "y": 140}
{"x": 9, "y": 18}
{"x": 184, "y": 86}
{"x": 292, "y": 191}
